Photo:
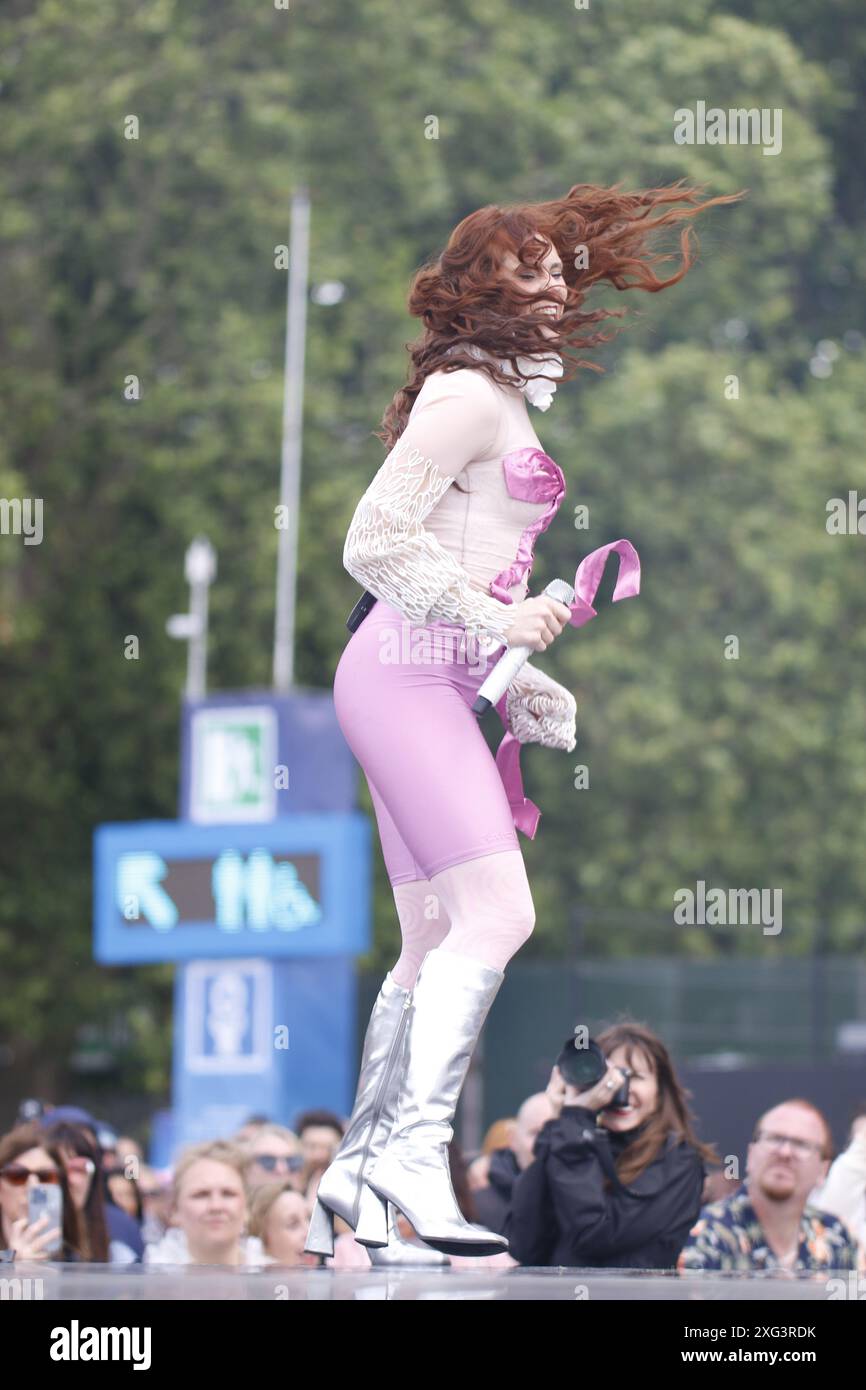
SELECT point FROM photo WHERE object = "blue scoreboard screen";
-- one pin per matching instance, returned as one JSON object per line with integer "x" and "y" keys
{"x": 171, "y": 890}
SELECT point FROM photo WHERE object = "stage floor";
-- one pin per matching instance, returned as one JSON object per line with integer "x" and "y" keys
{"x": 133, "y": 1283}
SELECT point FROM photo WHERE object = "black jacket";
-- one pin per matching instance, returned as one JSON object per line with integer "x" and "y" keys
{"x": 561, "y": 1214}
{"x": 492, "y": 1202}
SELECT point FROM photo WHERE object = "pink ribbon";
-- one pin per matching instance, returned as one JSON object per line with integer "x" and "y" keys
{"x": 524, "y": 813}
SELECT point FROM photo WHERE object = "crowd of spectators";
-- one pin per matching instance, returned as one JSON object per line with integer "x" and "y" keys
{"x": 570, "y": 1180}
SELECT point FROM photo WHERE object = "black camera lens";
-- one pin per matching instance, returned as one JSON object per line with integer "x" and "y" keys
{"x": 581, "y": 1066}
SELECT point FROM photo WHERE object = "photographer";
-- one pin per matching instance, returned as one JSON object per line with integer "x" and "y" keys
{"x": 612, "y": 1186}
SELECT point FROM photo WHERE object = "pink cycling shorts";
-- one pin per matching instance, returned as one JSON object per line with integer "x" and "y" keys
{"x": 403, "y": 697}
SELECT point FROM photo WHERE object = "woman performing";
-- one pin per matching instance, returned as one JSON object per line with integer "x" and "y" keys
{"x": 443, "y": 538}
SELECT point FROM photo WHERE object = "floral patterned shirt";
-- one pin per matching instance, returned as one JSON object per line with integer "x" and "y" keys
{"x": 728, "y": 1236}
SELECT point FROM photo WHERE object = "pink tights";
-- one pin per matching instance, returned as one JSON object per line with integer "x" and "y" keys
{"x": 481, "y": 908}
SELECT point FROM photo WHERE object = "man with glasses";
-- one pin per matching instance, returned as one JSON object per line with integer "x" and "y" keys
{"x": 768, "y": 1222}
{"x": 273, "y": 1153}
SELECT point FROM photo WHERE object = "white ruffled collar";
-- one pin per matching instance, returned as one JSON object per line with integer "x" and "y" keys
{"x": 538, "y": 390}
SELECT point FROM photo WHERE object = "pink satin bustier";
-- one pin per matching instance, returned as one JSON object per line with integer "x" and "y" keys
{"x": 530, "y": 476}
{"x": 491, "y": 517}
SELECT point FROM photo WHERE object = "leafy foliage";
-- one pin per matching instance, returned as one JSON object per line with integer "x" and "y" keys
{"x": 154, "y": 257}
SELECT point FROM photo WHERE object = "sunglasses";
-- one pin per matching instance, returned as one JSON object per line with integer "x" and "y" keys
{"x": 17, "y": 1174}
{"x": 293, "y": 1162}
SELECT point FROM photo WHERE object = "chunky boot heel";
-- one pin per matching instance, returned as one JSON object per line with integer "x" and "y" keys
{"x": 320, "y": 1237}
{"x": 372, "y": 1227}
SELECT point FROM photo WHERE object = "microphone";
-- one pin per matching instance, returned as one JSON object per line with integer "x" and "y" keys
{"x": 506, "y": 668}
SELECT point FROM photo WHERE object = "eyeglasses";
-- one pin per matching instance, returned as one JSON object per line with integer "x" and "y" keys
{"x": 80, "y": 1165}
{"x": 17, "y": 1174}
{"x": 801, "y": 1147}
{"x": 293, "y": 1162}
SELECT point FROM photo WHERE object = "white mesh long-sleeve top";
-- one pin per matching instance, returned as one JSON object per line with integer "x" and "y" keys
{"x": 446, "y": 530}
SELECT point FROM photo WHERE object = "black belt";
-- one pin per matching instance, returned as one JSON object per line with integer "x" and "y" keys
{"x": 360, "y": 611}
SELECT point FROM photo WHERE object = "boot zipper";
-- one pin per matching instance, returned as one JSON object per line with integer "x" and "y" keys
{"x": 377, "y": 1104}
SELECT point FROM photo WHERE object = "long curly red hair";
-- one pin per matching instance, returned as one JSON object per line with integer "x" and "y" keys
{"x": 463, "y": 296}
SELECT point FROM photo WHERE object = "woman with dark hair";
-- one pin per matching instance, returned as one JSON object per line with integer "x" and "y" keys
{"x": 443, "y": 542}
{"x": 26, "y": 1158}
{"x": 82, "y": 1160}
{"x": 81, "y": 1155}
{"x": 617, "y": 1187}
{"x": 124, "y": 1191}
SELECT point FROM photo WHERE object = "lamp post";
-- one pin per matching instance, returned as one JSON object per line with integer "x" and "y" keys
{"x": 290, "y": 459}
{"x": 327, "y": 293}
{"x": 200, "y": 572}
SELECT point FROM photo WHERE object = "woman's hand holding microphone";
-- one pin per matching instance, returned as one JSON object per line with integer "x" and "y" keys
{"x": 537, "y": 621}
{"x": 538, "y": 709}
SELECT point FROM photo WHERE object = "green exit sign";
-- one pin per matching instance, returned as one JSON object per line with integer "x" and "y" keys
{"x": 234, "y": 765}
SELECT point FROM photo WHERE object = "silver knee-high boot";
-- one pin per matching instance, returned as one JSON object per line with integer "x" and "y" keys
{"x": 450, "y": 1001}
{"x": 341, "y": 1184}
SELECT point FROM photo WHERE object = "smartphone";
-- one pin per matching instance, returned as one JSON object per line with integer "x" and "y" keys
{"x": 46, "y": 1199}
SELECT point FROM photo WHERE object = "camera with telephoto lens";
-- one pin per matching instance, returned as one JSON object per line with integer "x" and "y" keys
{"x": 582, "y": 1065}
